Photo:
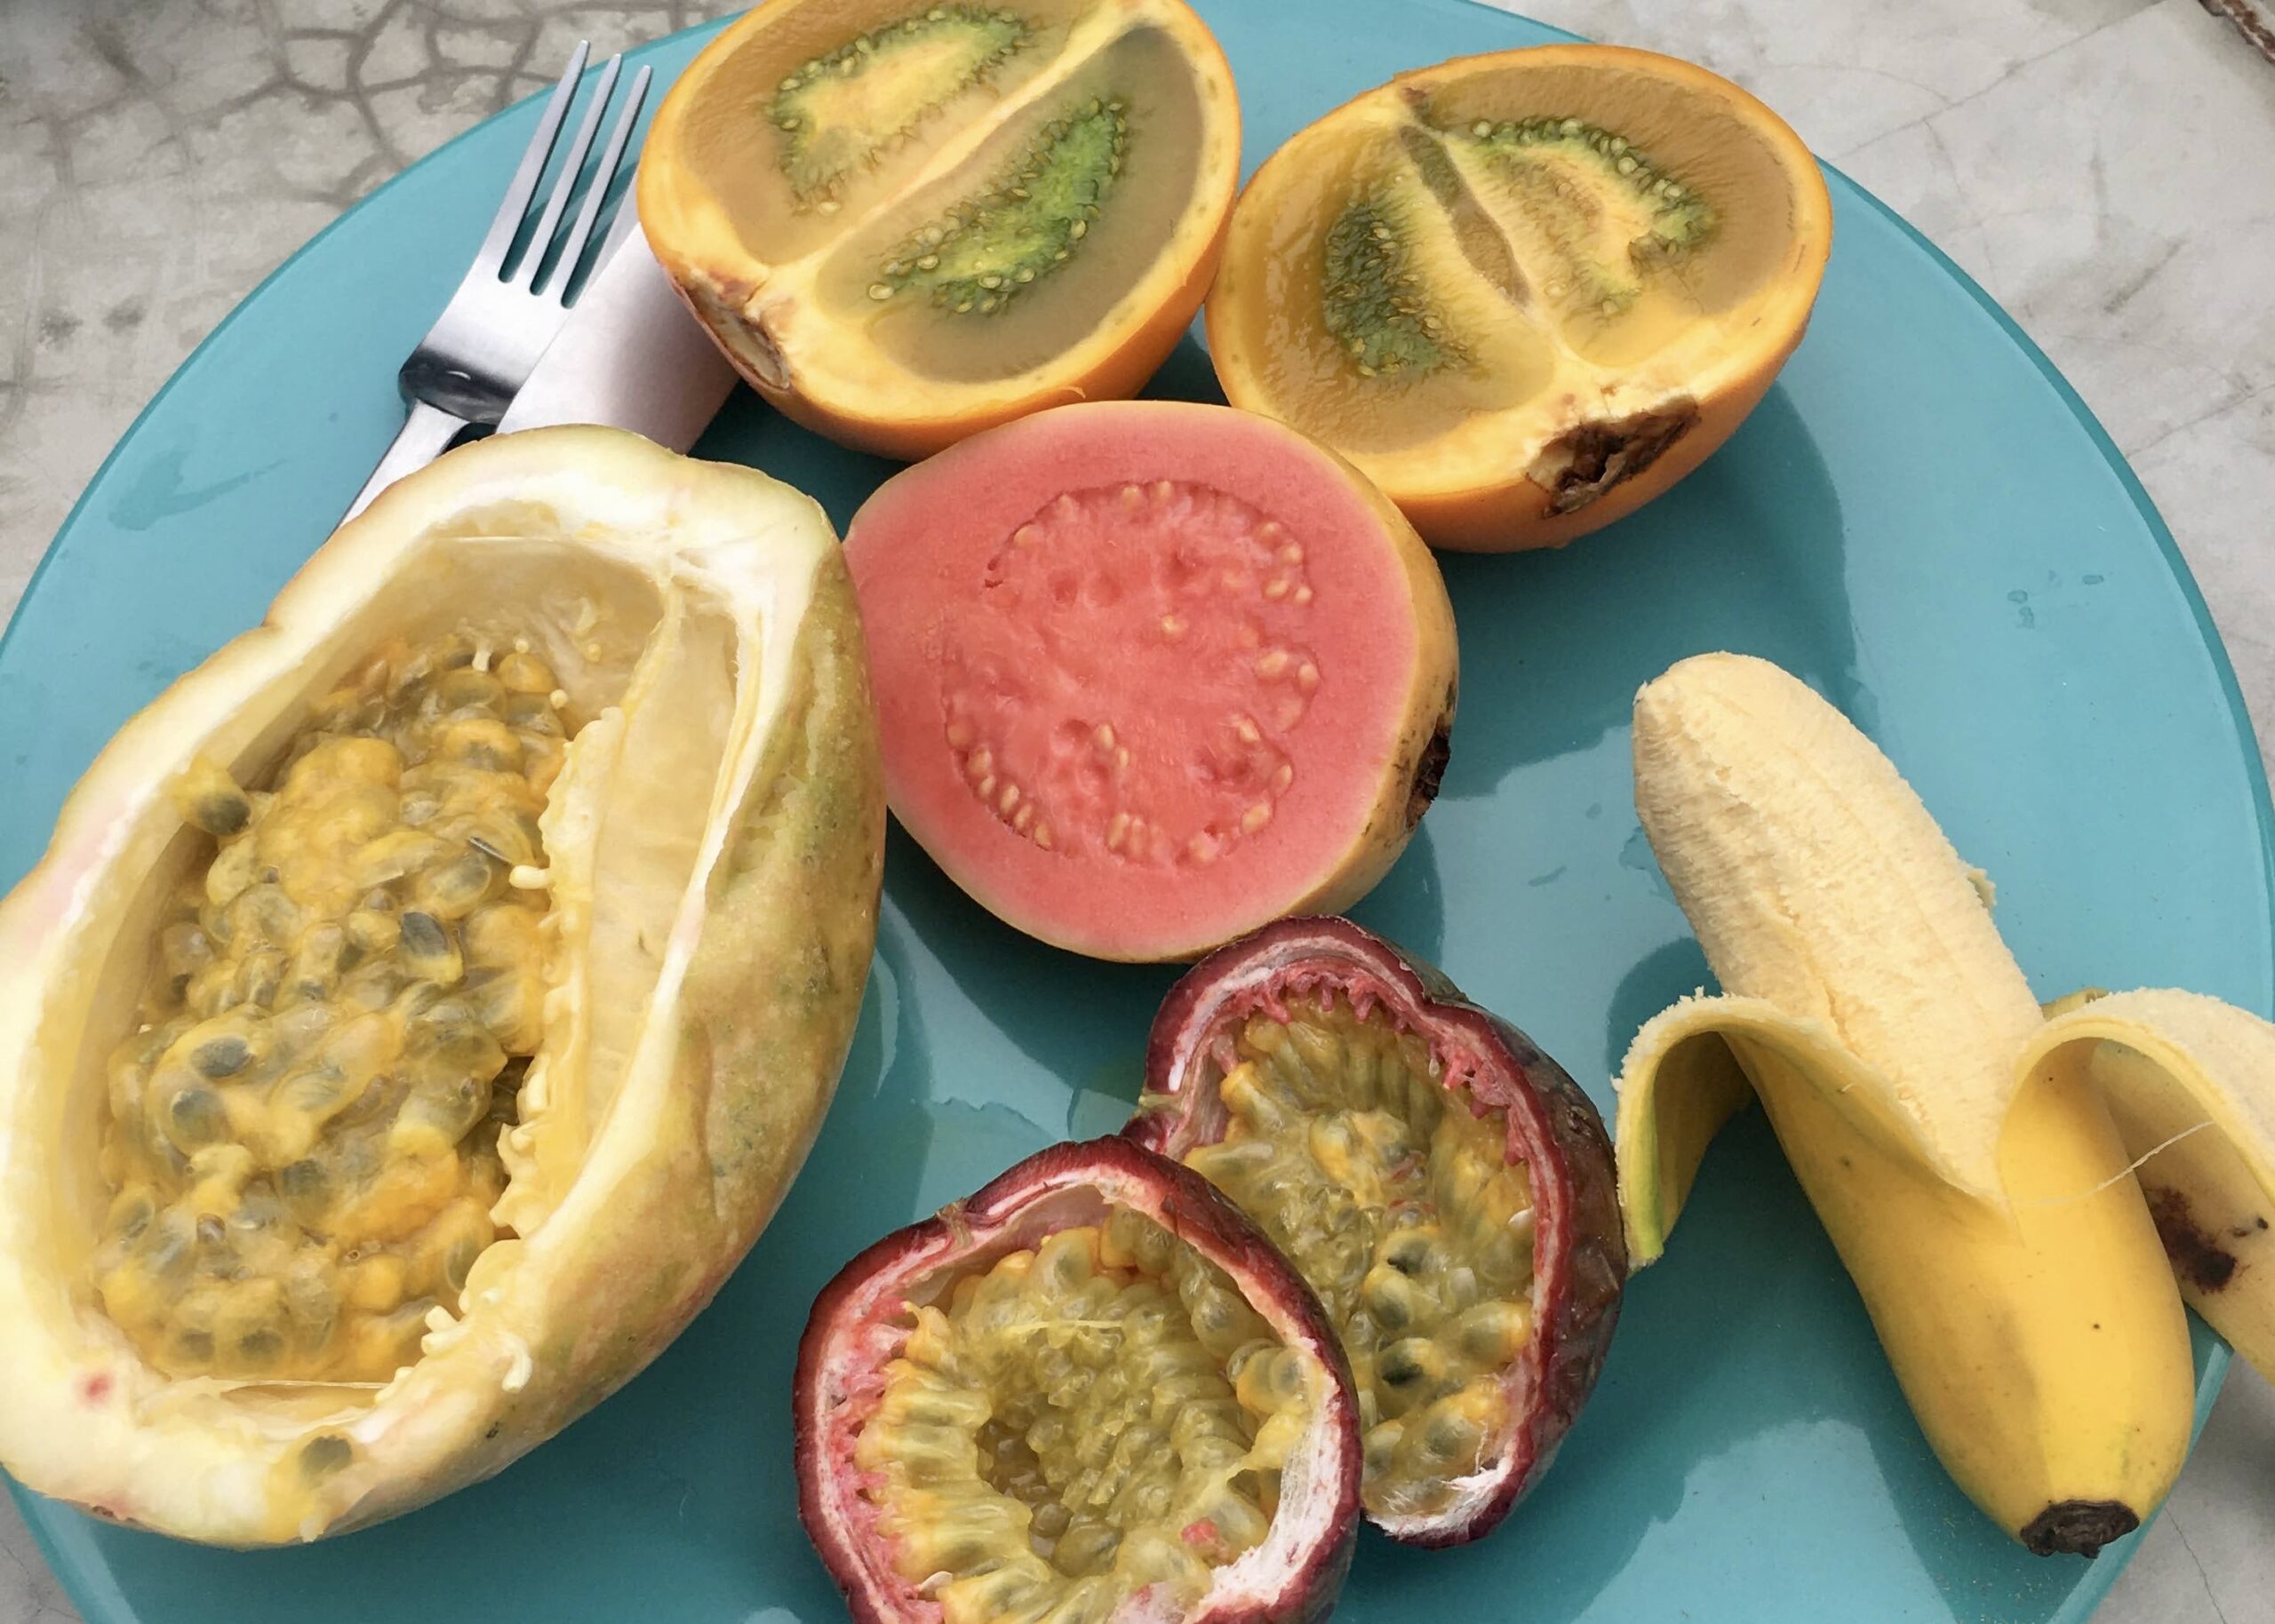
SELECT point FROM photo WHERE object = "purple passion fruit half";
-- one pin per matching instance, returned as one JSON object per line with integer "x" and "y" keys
{"x": 1093, "y": 1390}
{"x": 1443, "y": 1185}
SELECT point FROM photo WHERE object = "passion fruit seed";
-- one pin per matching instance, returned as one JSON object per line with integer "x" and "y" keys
{"x": 210, "y": 798}
{"x": 1559, "y": 173}
{"x": 303, "y": 1142}
{"x": 1397, "y": 1205}
{"x": 843, "y": 111}
{"x": 1373, "y": 304}
{"x": 987, "y": 249}
{"x": 1195, "y": 579}
{"x": 1080, "y": 1421}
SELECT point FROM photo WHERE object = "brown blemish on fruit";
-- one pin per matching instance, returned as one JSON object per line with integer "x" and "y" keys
{"x": 1591, "y": 459}
{"x": 2196, "y": 1256}
{"x": 2077, "y": 1528}
{"x": 1429, "y": 772}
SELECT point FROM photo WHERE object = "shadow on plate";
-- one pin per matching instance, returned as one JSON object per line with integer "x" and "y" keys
{"x": 1748, "y": 554}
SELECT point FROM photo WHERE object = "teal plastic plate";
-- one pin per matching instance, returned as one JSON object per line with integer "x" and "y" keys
{"x": 1921, "y": 520}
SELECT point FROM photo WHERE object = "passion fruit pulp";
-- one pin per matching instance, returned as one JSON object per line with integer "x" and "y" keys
{"x": 1091, "y": 1390}
{"x": 304, "y": 1127}
{"x": 1524, "y": 291}
{"x": 1446, "y": 1188}
{"x": 423, "y": 1004}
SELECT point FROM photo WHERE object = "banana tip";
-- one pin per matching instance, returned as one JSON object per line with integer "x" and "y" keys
{"x": 2077, "y": 1528}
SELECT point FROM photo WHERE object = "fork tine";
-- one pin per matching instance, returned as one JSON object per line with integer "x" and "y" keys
{"x": 603, "y": 179}
{"x": 572, "y": 166}
{"x": 508, "y": 219}
{"x": 628, "y": 216}
{"x": 628, "y": 219}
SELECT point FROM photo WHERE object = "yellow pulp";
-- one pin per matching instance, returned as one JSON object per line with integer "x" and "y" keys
{"x": 1397, "y": 1205}
{"x": 1099, "y": 1414}
{"x": 302, "y": 1138}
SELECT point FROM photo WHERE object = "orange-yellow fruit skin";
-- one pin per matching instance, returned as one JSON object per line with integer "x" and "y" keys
{"x": 1515, "y": 515}
{"x": 1496, "y": 506}
{"x": 895, "y": 416}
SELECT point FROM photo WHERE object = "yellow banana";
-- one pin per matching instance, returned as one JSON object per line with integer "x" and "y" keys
{"x": 1949, "y": 1136}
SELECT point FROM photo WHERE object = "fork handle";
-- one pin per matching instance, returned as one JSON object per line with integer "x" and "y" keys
{"x": 426, "y": 434}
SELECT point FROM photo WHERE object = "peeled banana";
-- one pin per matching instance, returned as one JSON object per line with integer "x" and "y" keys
{"x": 1971, "y": 1158}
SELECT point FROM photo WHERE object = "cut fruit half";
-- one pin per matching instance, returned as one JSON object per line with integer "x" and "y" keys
{"x": 1443, "y": 1185}
{"x": 907, "y": 223}
{"x": 1090, "y": 1391}
{"x": 426, "y": 1001}
{"x": 1152, "y": 673}
{"x": 1527, "y": 291}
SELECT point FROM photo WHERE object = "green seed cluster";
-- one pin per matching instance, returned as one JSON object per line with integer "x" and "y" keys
{"x": 930, "y": 58}
{"x": 1374, "y": 305}
{"x": 1680, "y": 219}
{"x": 302, "y": 1136}
{"x": 1397, "y": 1206}
{"x": 987, "y": 249}
{"x": 1101, "y": 1414}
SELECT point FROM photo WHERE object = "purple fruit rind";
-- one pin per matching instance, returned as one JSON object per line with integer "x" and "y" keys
{"x": 848, "y": 1335}
{"x": 1580, "y": 1256}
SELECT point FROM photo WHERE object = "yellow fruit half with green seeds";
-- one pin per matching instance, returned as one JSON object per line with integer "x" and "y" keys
{"x": 1525, "y": 292}
{"x": 425, "y": 1002}
{"x": 905, "y": 223}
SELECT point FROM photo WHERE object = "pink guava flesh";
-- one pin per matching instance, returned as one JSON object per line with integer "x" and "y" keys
{"x": 1143, "y": 668}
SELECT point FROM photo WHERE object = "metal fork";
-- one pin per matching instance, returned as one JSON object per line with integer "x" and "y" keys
{"x": 480, "y": 351}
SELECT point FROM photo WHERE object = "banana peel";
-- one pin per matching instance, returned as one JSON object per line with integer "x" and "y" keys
{"x": 2191, "y": 1082}
{"x": 1971, "y": 1156}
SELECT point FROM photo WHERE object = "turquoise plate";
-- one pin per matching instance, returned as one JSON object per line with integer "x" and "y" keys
{"x": 1920, "y": 519}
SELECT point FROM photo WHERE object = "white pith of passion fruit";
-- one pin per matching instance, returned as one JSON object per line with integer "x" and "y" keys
{"x": 703, "y": 876}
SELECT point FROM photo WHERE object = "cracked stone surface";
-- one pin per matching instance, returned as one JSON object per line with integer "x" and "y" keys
{"x": 2100, "y": 166}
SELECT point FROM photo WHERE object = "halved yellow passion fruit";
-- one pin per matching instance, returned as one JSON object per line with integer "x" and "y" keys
{"x": 905, "y": 222}
{"x": 425, "y": 1002}
{"x": 1525, "y": 291}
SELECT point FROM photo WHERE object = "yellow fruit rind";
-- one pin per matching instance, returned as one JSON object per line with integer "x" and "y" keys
{"x": 627, "y": 1223}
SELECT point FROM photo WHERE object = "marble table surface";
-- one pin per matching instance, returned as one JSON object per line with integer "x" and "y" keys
{"x": 2101, "y": 166}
